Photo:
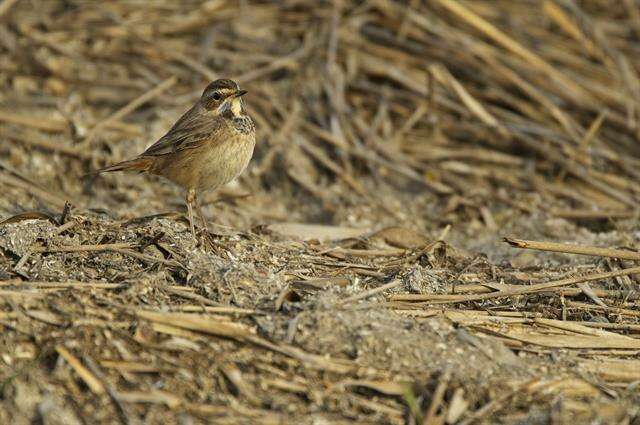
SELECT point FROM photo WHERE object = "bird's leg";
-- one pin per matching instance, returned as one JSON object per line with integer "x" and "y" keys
{"x": 191, "y": 198}
{"x": 207, "y": 238}
{"x": 205, "y": 224}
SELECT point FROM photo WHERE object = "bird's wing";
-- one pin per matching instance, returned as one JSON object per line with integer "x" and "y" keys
{"x": 190, "y": 131}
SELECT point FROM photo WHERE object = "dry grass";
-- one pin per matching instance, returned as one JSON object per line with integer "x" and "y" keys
{"x": 360, "y": 274}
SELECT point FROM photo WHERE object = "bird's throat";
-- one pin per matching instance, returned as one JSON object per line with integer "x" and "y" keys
{"x": 236, "y": 107}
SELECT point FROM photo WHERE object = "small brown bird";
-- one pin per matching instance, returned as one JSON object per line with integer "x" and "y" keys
{"x": 210, "y": 145}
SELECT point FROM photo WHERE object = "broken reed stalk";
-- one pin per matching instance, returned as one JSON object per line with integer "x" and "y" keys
{"x": 94, "y": 384}
{"x": 71, "y": 284}
{"x": 540, "y": 287}
{"x": 370, "y": 292}
{"x": 573, "y": 249}
{"x": 82, "y": 248}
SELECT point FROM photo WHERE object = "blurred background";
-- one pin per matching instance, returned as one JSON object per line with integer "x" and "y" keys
{"x": 421, "y": 112}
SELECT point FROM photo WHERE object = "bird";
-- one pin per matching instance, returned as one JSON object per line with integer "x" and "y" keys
{"x": 210, "y": 145}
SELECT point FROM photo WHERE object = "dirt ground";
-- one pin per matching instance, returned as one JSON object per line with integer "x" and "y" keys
{"x": 357, "y": 271}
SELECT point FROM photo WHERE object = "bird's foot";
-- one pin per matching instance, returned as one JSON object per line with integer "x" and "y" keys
{"x": 208, "y": 242}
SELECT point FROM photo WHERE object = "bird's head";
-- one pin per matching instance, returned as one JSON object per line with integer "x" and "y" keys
{"x": 223, "y": 97}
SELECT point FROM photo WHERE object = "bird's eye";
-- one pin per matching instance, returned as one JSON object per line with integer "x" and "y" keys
{"x": 217, "y": 96}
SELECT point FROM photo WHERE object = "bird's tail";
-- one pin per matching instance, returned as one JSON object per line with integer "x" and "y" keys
{"x": 141, "y": 164}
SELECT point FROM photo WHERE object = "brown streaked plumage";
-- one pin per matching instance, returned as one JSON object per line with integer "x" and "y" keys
{"x": 210, "y": 145}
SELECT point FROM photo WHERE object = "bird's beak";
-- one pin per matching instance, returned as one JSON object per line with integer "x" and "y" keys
{"x": 240, "y": 93}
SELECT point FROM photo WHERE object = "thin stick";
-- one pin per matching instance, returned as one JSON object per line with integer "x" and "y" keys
{"x": 213, "y": 309}
{"x": 193, "y": 297}
{"x": 540, "y": 287}
{"x": 577, "y": 92}
{"x": 203, "y": 69}
{"x": 629, "y": 295}
{"x": 120, "y": 248}
{"x": 83, "y": 248}
{"x": 611, "y": 310}
{"x": 285, "y": 61}
{"x": 630, "y": 327}
{"x": 74, "y": 285}
{"x": 586, "y": 289}
{"x": 496, "y": 403}
{"x": 574, "y": 249}
{"x": 6, "y": 5}
{"x": 66, "y": 226}
{"x": 436, "y": 401}
{"x": 370, "y": 292}
{"x": 92, "y": 382}
{"x": 120, "y": 408}
{"x": 33, "y": 294}
{"x": 144, "y": 257}
{"x": 40, "y": 123}
{"x": 22, "y": 260}
{"x": 592, "y": 214}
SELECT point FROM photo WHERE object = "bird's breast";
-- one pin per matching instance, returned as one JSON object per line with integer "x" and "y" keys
{"x": 225, "y": 161}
